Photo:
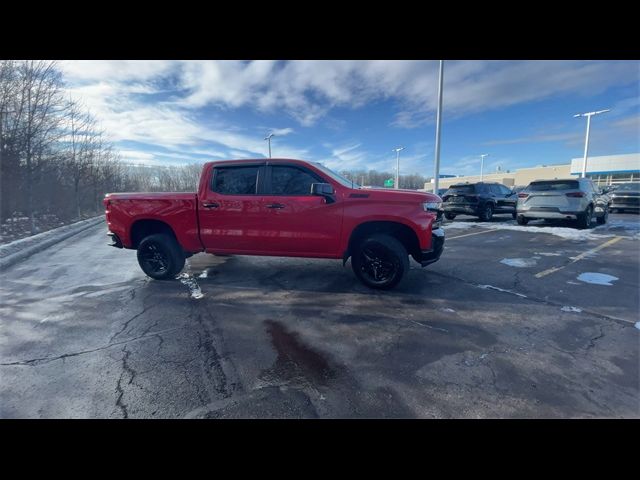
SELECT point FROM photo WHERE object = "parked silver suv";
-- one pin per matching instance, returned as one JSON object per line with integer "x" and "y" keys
{"x": 568, "y": 199}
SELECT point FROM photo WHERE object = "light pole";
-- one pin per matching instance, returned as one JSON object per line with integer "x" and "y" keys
{"x": 268, "y": 138}
{"x": 436, "y": 174}
{"x": 482, "y": 164}
{"x": 586, "y": 141}
{"x": 397, "y": 150}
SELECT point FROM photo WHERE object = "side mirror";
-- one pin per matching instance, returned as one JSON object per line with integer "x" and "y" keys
{"x": 323, "y": 190}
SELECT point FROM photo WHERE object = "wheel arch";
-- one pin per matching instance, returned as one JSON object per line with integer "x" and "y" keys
{"x": 144, "y": 227}
{"x": 403, "y": 233}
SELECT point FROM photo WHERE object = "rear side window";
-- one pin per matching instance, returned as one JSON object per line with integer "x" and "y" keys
{"x": 553, "y": 185}
{"x": 504, "y": 190}
{"x": 236, "y": 180}
{"x": 461, "y": 189}
{"x": 291, "y": 181}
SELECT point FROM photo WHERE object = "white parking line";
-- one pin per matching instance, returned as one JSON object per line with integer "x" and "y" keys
{"x": 469, "y": 234}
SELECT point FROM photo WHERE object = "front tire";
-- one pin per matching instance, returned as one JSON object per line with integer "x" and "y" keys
{"x": 380, "y": 261}
{"x": 449, "y": 216}
{"x": 160, "y": 256}
{"x": 522, "y": 220}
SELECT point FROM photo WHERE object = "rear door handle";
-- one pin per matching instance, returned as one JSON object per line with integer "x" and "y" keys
{"x": 275, "y": 205}
{"x": 211, "y": 205}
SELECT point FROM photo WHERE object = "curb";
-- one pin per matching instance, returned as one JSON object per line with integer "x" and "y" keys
{"x": 25, "y": 247}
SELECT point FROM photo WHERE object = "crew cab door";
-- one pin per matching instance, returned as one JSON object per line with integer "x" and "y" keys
{"x": 298, "y": 223}
{"x": 230, "y": 212}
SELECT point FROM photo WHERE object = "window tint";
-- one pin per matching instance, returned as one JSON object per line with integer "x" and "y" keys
{"x": 461, "y": 189}
{"x": 553, "y": 185}
{"x": 504, "y": 190}
{"x": 236, "y": 180}
{"x": 495, "y": 189}
{"x": 291, "y": 181}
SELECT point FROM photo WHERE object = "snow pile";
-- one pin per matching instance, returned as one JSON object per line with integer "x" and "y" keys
{"x": 629, "y": 227}
{"x": 567, "y": 233}
{"x": 638, "y": 325}
{"x": 597, "y": 278}
{"x": 17, "y": 250}
{"x": 191, "y": 283}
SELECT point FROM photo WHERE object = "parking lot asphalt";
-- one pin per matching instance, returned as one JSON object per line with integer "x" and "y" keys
{"x": 502, "y": 326}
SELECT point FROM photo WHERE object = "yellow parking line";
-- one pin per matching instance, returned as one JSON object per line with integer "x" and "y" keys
{"x": 469, "y": 234}
{"x": 579, "y": 257}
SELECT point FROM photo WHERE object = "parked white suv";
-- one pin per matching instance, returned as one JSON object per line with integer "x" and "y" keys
{"x": 569, "y": 199}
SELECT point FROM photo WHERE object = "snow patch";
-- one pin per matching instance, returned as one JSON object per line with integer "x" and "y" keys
{"x": 571, "y": 309}
{"x": 519, "y": 262}
{"x": 549, "y": 254}
{"x": 638, "y": 325}
{"x": 204, "y": 274}
{"x": 597, "y": 278}
{"x": 191, "y": 283}
{"x": 491, "y": 287}
{"x": 451, "y": 310}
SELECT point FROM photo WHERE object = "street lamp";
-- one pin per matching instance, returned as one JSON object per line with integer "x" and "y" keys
{"x": 397, "y": 150}
{"x": 436, "y": 163}
{"x": 586, "y": 141}
{"x": 482, "y": 163}
{"x": 268, "y": 138}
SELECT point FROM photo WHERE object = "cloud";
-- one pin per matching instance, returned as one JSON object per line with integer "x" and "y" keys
{"x": 557, "y": 137}
{"x": 280, "y": 132}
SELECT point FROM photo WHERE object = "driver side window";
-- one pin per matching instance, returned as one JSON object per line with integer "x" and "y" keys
{"x": 287, "y": 180}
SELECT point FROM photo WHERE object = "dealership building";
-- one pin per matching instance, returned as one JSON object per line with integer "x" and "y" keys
{"x": 604, "y": 170}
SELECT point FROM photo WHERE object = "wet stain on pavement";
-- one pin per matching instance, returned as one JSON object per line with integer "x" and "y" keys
{"x": 296, "y": 361}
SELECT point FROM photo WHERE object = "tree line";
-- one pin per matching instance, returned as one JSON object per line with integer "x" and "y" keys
{"x": 373, "y": 178}
{"x": 54, "y": 156}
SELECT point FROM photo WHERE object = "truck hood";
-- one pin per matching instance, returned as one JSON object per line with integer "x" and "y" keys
{"x": 399, "y": 195}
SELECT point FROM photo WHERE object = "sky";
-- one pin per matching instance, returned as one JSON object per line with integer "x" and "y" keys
{"x": 351, "y": 114}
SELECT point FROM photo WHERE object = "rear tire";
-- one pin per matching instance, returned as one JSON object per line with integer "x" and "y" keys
{"x": 449, "y": 216}
{"x": 487, "y": 213}
{"x": 584, "y": 219}
{"x": 380, "y": 261}
{"x": 522, "y": 220}
{"x": 514, "y": 215}
{"x": 160, "y": 256}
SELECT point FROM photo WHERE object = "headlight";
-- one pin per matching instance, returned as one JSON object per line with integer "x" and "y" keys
{"x": 432, "y": 206}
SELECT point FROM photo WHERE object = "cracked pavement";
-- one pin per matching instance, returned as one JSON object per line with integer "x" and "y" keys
{"x": 84, "y": 334}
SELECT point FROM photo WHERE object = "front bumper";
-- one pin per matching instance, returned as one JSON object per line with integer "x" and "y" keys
{"x": 432, "y": 255}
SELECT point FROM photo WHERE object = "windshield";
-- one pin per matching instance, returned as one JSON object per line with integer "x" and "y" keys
{"x": 554, "y": 185}
{"x": 336, "y": 176}
{"x": 629, "y": 187}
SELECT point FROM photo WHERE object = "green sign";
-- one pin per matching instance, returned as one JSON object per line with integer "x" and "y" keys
{"x": 388, "y": 182}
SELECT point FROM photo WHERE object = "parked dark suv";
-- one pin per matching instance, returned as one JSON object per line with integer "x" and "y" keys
{"x": 481, "y": 199}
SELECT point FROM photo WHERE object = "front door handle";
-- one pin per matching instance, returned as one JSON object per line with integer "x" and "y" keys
{"x": 275, "y": 205}
{"x": 211, "y": 205}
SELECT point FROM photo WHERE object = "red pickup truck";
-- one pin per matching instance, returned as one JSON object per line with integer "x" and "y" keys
{"x": 280, "y": 207}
